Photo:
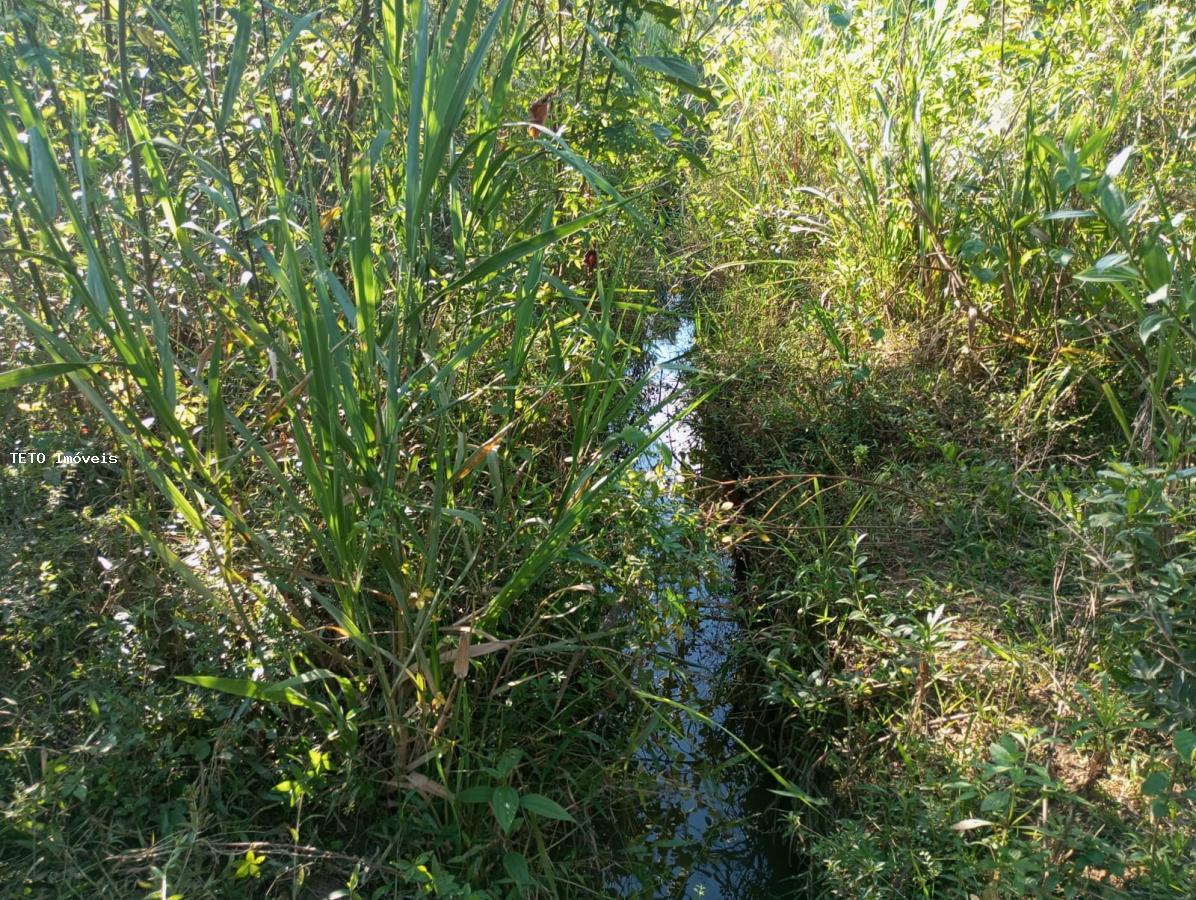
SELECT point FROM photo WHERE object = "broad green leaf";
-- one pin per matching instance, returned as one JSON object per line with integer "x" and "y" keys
{"x": 672, "y": 66}
{"x": 241, "y": 687}
{"x": 516, "y": 251}
{"x": 1117, "y": 163}
{"x": 1109, "y": 274}
{"x": 616, "y": 63}
{"x": 507, "y": 763}
{"x": 516, "y": 866}
{"x": 216, "y": 429}
{"x": 272, "y": 692}
{"x": 365, "y": 283}
{"x": 1001, "y": 755}
{"x": 417, "y": 79}
{"x": 1151, "y": 324}
{"x": 1118, "y": 412}
{"x": 1156, "y": 266}
{"x": 185, "y": 573}
{"x": 994, "y": 802}
{"x": 505, "y": 804}
{"x": 558, "y": 148}
{"x": 476, "y": 794}
{"x": 679, "y": 72}
{"x": 1156, "y": 783}
{"x": 839, "y": 16}
{"x": 544, "y": 806}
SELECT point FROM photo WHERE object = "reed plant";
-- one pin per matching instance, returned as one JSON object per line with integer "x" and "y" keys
{"x": 320, "y": 277}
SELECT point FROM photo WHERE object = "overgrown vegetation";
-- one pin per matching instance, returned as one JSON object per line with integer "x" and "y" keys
{"x": 320, "y": 281}
{"x": 957, "y": 294}
{"x": 370, "y": 590}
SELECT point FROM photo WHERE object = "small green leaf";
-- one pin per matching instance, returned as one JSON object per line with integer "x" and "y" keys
{"x": 516, "y": 866}
{"x": 997, "y": 800}
{"x": 505, "y": 803}
{"x": 1001, "y": 754}
{"x": 1062, "y": 256}
{"x": 1156, "y": 783}
{"x": 251, "y": 865}
{"x": 1185, "y": 744}
{"x": 683, "y": 74}
{"x": 544, "y": 806}
{"x": 507, "y": 762}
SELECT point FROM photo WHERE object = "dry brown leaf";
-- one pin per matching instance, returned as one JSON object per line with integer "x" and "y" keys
{"x": 427, "y": 786}
{"x": 475, "y": 650}
{"x": 461, "y": 660}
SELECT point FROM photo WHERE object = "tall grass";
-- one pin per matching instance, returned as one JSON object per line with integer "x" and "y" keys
{"x": 951, "y": 265}
{"x": 308, "y": 279}
{"x": 967, "y": 171}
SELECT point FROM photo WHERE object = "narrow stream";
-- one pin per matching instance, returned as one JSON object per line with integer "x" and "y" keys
{"x": 708, "y": 827}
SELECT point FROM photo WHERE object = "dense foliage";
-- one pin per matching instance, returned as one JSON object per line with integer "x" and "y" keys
{"x": 958, "y": 300}
{"x": 319, "y": 281}
{"x": 371, "y": 586}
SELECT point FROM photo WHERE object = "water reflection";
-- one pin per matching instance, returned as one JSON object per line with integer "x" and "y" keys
{"x": 706, "y": 826}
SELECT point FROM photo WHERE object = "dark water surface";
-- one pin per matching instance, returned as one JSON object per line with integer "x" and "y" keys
{"x": 709, "y": 827}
